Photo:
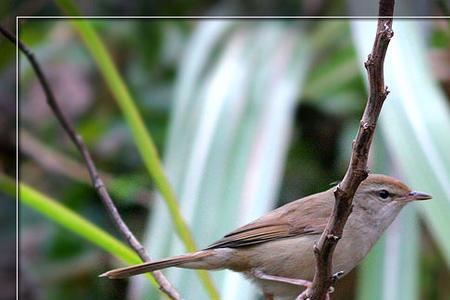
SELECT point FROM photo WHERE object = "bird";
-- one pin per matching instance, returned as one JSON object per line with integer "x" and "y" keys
{"x": 276, "y": 250}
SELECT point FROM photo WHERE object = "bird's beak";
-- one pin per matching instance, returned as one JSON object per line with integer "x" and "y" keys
{"x": 414, "y": 196}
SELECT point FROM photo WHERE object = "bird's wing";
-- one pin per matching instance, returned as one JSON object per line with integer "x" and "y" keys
{"x": 302, "y": 217}
{"x": 252, "y": 235}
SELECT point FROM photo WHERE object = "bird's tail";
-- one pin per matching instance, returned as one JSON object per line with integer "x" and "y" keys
{"x": 191, "y": 260}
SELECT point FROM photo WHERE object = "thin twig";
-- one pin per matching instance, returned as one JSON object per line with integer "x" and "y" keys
{"x": 54, "y": 161}
{"x": 164, "y": 285}
{"x": 357, "y": 169}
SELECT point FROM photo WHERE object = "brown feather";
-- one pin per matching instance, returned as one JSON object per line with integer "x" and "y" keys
{"x": 305, "y": 216}
{"x": 155, "y": 265}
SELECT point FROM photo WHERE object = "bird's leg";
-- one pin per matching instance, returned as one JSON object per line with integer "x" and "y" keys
{"x": 294, "y": 281}
{"x": 261, "y": 275}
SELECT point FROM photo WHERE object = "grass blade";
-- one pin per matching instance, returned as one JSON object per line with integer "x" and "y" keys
{"x": 69, "y": 219}
{"x": 401, "y": 264}
{"x": 142, "y": 137}
{"x": 229, "y": 133}
{"x": 415, "y": 124}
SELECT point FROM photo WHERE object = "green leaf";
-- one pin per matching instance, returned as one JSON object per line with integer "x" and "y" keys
{"x": 142, "y": 137}
{"x": 69, "y": 219}
{"x": 394, "y": 262}
{"x": 415, "y": 122}
{"x": 370, "y": 273}
{"x": 235, "y": 96}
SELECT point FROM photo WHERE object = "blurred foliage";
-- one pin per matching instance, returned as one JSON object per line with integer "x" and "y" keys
{"x": 234, "y": 96}
{"x": 148, "y": 54}
{"x": 415, "y": 131}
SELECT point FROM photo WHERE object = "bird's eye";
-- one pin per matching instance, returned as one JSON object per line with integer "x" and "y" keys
{"x": 383, "y": 194}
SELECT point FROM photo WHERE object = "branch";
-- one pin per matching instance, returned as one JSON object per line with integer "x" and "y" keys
{"x": 357, "y": 169}
{"x": 100, "y": 188}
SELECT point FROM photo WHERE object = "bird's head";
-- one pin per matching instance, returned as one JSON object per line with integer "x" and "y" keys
{"x": 381, "y": 197}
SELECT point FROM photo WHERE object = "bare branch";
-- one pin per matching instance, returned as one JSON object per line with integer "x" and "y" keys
{"x": 97, "y": 182}
{"x": 357, "y": 169}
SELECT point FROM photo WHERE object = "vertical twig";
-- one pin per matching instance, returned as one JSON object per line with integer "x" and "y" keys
{"x": 357, "y": 169}
{"x": 164, "y": 285}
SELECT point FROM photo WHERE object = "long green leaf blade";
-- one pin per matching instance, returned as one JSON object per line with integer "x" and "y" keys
{"x": 415, "y": 123}
{"x": 229, "y": 134}
{"x": 69, "y": 219}
{"x": 142, "y": 137}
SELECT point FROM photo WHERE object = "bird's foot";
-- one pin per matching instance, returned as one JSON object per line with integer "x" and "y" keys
{"x": 335, "y": 277}
{"x": 304, "y": 295}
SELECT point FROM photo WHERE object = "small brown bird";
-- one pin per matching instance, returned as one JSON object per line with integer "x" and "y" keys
{"x": 275, "y": 251}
